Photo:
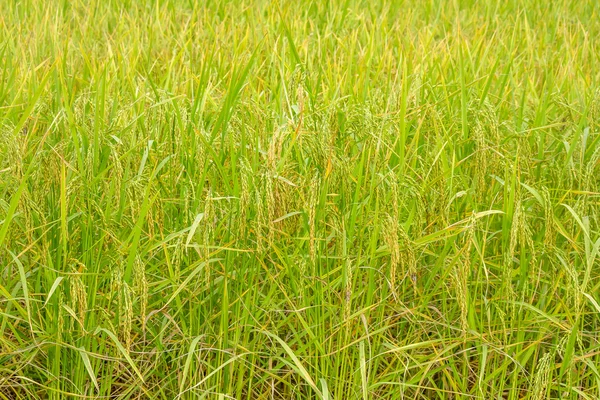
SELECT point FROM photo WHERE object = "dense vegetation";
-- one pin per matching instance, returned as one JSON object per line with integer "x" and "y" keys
{"x": 294, "y": 200}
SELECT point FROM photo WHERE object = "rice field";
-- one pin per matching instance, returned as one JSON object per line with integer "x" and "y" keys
{"x": 277, "y": 199}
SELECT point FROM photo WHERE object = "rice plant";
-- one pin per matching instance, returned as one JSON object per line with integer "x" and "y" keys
{"x": 299, "y": 200}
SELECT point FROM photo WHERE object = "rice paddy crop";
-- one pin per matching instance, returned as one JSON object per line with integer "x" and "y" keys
{"x": 299, "y": 200}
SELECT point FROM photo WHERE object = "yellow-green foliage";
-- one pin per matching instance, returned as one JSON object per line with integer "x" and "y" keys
{"x": 299, "y": 199}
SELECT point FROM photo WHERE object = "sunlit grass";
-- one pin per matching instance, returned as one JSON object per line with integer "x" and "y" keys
{"x": 294, "y": 200}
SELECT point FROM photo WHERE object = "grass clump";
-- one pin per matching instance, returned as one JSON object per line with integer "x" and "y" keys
{"x": 266, "y": 199}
